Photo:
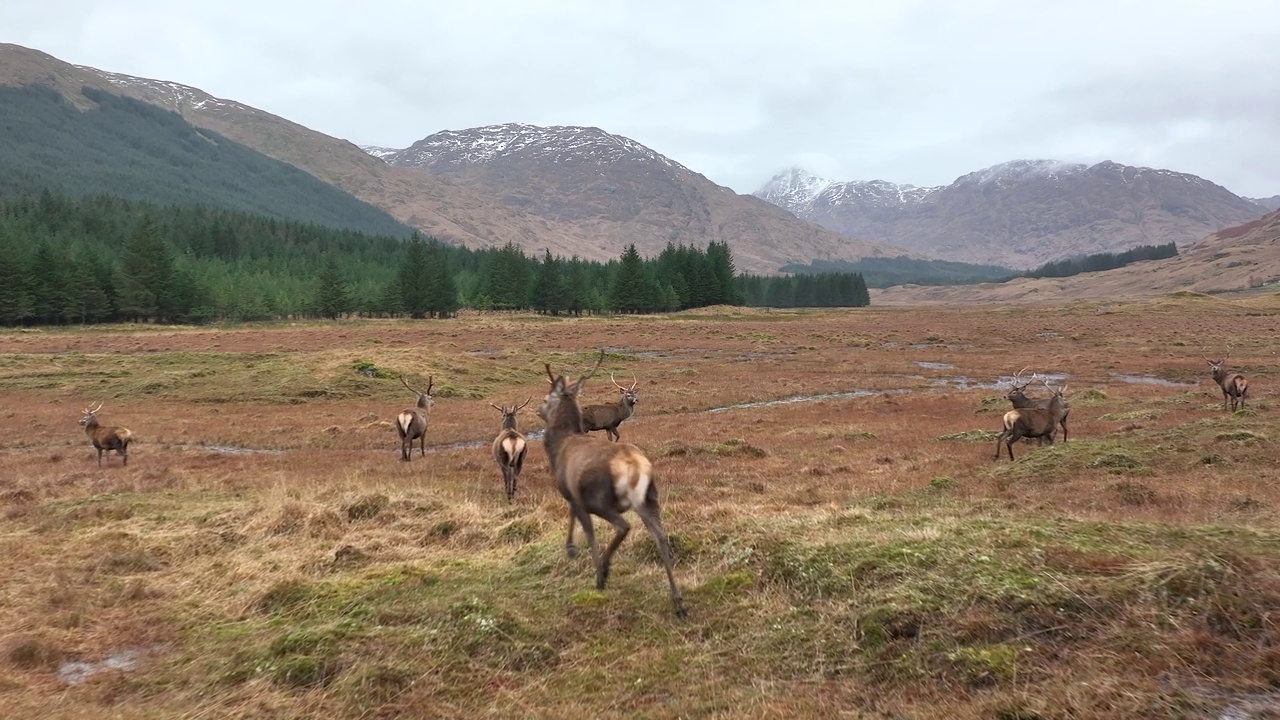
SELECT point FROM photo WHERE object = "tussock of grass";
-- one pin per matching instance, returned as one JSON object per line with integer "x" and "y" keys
{"x": 1129, "y": 416}
{"x": 1089, "y": 397}
{"x": 970, "y": 436}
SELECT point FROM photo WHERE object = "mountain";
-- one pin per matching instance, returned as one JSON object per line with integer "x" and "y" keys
{"x": 622, "y": 192}
{"x": 135, "y": 150}
{"x": 762, "y": 237}
{"x": 1022, "y": 213}
{"x": 1234, "y": 259}
{"x": 1271, "y": 203}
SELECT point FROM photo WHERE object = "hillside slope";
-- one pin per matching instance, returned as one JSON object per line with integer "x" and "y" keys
{"x": 124, "y": 147}
{"x": 1234, "y": 259}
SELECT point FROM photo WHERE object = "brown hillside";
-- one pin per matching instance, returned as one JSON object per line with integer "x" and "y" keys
{"x": 1237, "y": 258}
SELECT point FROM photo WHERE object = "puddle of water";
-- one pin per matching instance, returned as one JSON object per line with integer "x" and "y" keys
{"x": 795, "y": 399}
{"x": 77, "y": 671}
{"x": 1149, "y": 380}
{"x": 935, "y": 365}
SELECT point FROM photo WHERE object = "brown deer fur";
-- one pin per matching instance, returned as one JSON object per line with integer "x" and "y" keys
{"x": 608, "y": 417}
{"x": 106, "y": 438}
{"x": 1235, "y": 388}
{"x": 1032, "y": 422}
{"x": 509, "y": 448}
{"x": 601, "y": 478}
{"x": 411, "y": 424}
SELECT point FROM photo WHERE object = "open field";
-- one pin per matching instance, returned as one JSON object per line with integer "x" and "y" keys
{"x": 265, "y": 553}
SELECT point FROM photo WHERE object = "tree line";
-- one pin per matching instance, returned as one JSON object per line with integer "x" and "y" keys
{"x": 831, "y": 289}
{"x": 106, "y": 259}
{"x": 1102, "y": 261}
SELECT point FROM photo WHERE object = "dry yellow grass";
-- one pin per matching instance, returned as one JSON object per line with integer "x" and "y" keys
{"x": 266, "y": 554}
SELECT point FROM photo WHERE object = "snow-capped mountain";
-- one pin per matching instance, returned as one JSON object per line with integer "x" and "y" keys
{"x": 530, "y": 143}
{"x": 620, "y": 188}
{"x": 1020, "y": 213}
{"x": 379, "y": 152}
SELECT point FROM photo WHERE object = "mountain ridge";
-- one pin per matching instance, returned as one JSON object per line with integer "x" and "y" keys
{"x": 1020, "y": 213}
{"x": 762, "y": 237}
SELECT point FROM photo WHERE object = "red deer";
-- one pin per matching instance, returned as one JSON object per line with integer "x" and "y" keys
{"x": 1017, "y": 396}
{"x": 106, "y": 438}
{"x": 411, "y": 424}
{"x": 601, "y": 478}
{"x": 1235, "y": 388}
{"x": 509, "y": 448}
{"x": 609, "y": 417}
{"x": 1032, "y": 422}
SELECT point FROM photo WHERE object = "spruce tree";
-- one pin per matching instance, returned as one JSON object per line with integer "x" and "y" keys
{"x": 551, "y": 291}
{"x": 415, "y": 279}
{"x": 333, "y": 298}
{"x": 634, "y": 290}
{"x": 443, "y": 292}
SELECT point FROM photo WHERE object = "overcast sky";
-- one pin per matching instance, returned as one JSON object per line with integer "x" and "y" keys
{"x": 911, "y": 91}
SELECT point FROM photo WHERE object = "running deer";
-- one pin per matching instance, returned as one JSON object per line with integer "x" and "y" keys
{"x": 509, "y": 448}
{"x": 411, "y": 424}
{"x": 1017, "y": 396}
{"x": 601, "y": 478}
{"x": 1032, "y": 422}
{"x": 106, "y": 438}
{"x": 1235, "y": 388}
{"x": 609, "y": 417}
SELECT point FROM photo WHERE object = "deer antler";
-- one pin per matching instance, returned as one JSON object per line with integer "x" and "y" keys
{"x": 1228, "y": 357}
{"x": 615, "y": 382}
{"x": 406, "y": 384}
{"x": 94, "y": 410}
{"x": 502, "y": 410}
{"x": 521, "y": 405}
{"x": 594, "y": 368}
{"x": 1018, "y": 376}
{"x": 430, "y": 382}
{"x": 634, "y": 381}
{"x": 550, "y": 376}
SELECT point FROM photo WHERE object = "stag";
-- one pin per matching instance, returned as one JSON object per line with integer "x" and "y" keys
{"x": 1235, "y": 388}
{"x": 601, "y": 478}
{"x": 411, "y": 424}
{"x": 509, "y": 448}
{"x": 1032, "y": 422}
{"x": 609, "y": 417}
{"x": 1017, "y": 396}
{"x": 106, "y": 438}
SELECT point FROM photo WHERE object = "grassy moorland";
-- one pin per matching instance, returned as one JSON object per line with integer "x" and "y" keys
{"x": 265, "y": 554}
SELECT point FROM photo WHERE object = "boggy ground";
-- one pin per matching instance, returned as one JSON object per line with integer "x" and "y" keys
{"x": 265, "y": 553}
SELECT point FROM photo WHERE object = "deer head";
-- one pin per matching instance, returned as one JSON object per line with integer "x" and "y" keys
{"x": 1216, "y": 366}
{"x": 425, "y": 400}
{"x": 89, "y": 415}
{"x": 561, "y": 390}
{"x": 1017, "y": 391}
{"x": 628, "y": 394}
{"x": 509, "y": 413}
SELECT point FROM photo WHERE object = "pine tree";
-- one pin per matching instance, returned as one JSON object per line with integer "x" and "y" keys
{"x": 634, "y": 290}
{"x": 333, "y": 298}
{"x": 443, "y": 292}
{"x": 720, "y": 259}
{"x": 551, "y": 291}
{"x": 415, "y": 279}
{"x": 15, "y": 300}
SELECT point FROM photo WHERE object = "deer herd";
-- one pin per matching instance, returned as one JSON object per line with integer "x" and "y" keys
{"x": 604, "y": 477}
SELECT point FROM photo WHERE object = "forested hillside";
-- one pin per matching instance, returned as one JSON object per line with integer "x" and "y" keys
{"x": 136, "y": 150}
{"x": 103, "y": 259}
{"x": 889, "y": 271}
